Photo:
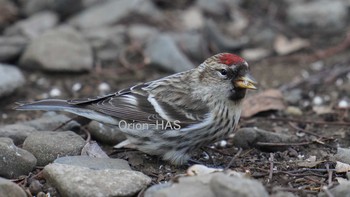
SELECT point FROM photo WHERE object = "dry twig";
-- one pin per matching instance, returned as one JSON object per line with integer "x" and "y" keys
{"x": 233, "y": 158}
{"x": 271, "y": 166}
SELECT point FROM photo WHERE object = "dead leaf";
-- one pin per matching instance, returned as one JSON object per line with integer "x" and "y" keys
{"x": 255, "y": 53}
{"x": 283, "y": 45}
{"x": 271, "y": 99}
{"x": 319, "y": 110}
{"x": 92, "y": 149}
{"x": 198, "y": 169}
{"x": 342, "y": 167}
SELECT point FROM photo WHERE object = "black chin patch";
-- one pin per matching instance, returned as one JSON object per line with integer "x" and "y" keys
{"x": 237, "y": 94}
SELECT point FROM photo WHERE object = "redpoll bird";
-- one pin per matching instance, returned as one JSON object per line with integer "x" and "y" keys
{"x": 174, "y": 115}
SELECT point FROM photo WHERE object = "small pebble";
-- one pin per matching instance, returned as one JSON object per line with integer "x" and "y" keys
{"x": 339, "y": 82}
{"x": 55, "y": 92}
{"x": 311, "y": 94}
{"x": 76, "y": 87}
{"x": 300, "y": 134}
{"x": 35, "y": 187}
{"x": 317, "y": 66}
{"x": 312, "y": 158}
{"x": 343, "y": 104}
{"x": 223, "y": 143}
{"x": 4, "y": 116}
{"x": 41, "y": 81}
{"x": 317, "y": 100}
{"x": 44, "y": 96}
{"x": 327, "y": 98}
{"x": 104, "y": 88}
{"x": 295, "y": 111}
{"x": 306, "y": 104}
{"x": 42, "y": 194}
{"x": 305, "y": 74}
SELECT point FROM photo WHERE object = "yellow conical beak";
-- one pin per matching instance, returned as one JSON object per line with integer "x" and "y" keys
{"x": 247, "y": 82}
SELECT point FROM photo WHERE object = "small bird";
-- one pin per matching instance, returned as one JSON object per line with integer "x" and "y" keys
{"x": 172, "y": 116}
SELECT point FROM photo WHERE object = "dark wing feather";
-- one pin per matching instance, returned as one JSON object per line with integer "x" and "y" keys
{"x": 132, "y": 105}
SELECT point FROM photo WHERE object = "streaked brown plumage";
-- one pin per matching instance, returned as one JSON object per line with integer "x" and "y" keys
{"x": 199, "y": 106}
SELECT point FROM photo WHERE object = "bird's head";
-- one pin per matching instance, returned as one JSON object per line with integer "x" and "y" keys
{"x": 225, "y": 75}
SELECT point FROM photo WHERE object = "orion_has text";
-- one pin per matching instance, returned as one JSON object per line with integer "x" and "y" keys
{"x": 158, "y": 125}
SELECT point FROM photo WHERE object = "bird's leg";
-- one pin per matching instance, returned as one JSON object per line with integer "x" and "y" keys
{"x": 79, "y": 119}
{"x": 82, "y": 120}
{"x": 210, "y": 157}
{"x": 192, "y": 162}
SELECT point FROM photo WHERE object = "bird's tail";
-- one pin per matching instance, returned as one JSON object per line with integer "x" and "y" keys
{"x": 47, "y": 105}
{"x": 63, "y": 105}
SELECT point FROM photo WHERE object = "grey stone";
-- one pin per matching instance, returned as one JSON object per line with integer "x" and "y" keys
{"x": 111, "y": 12}
{"x": 321, "y": 16}
{"x": 35, "y": 187}
{"x": 141, "y": 33}
{"x": 192, "y": 19}
{"x": 107, "y": 41}
{"x": 191, "y": 43}
{"x": 343, "y": 155}
{"x": 66, "y": 8}
{"x": 105, "y": 133}
{"x": 80, "y": 181}
{"x": 249, "y": 137}
{"x": 261, "y": 35}
{"x": 34, "y": 26}
{"x": 283, "y": 194}
{"x": 226, "y": 186}
{"x": 238, "y": 24}
{"x": 17, "y": 132}
{"x": 293, "y": 96}
{"x": 47, "y": 146}
{"x": 61, "y": 50}
{"x": 89, "y": 3}
{"x": 217, "y": 8}
{"x": 94, "y": 163}
{"x": 51, "y": 121}
{"x": 152, "y": 191}
{"x": 220, "y": 42}
{"x": 11, "y": 78}
{"x": 14, "y": 161}
{"x": 185, "y": 187}
{"x": 342, "y": 190}
{"x": 63, "y": 7}
{"x": 163, "y": 52}
{"x": 8, "y": 188}
{"x": 11, "y": 47}
{"x": 186, "y": 190}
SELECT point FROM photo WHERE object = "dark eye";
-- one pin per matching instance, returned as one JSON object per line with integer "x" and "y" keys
{"x": 223, "y": 71}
